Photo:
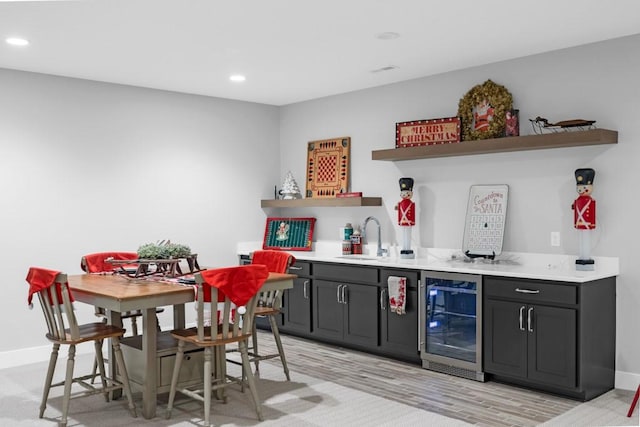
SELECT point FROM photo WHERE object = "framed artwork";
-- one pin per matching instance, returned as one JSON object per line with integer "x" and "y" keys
{"x": 328, "y": 167}
{"x": 428, "y": 132}
{"x": 483, "y": 111}
{"x": 290, "y": 234}
{"x": 485, "y": 220}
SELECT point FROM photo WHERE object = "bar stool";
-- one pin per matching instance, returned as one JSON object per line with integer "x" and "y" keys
{"x": 270, "y": 305}
{"x": 63, "y": 329}
{"x": 231, "y": 295}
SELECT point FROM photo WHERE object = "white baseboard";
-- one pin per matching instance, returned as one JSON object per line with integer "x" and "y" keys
{"x": 627, "y": 380}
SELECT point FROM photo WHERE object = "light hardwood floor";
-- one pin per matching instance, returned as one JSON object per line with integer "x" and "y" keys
{"x": 483, "y": 404}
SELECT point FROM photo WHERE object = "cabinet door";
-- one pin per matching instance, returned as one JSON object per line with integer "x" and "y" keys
{"x": 399, "y": 333}
{"x": 361, "y": 316}
{"x": 328, "y": 318}
{"x": 505, "y": 338}
{"x": 297, "y": 307}
{"x": 552, "y": 345}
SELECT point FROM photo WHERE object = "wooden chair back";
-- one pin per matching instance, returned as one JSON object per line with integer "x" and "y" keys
{"x": 233, "y": 322}
{"x": 276, "y": 262}
{"x": 55, "y": 300}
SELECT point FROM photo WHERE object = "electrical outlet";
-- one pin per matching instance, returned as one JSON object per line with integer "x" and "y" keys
{"x": 555, "y": 238}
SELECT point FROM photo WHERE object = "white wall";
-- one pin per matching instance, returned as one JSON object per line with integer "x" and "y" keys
{"x": 598, "y": 82}
{"x": 89, "y": 167}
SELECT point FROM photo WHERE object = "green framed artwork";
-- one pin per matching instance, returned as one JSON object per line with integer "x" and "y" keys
{"x": 291, "y": 234}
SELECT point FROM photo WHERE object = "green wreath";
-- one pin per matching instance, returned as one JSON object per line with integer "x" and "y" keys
{"x": 498, "y": 98}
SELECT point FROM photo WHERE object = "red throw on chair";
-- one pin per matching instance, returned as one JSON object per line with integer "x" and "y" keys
{"x": 95, "y": 263}
{"x": 275, "y": 261}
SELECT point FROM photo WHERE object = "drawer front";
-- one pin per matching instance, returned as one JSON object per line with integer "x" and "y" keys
{"x": 301, "y": 268}
{"x": 346, "y": 273}
{"x": 192, "y": 368}
{"x": 411, "y": 275}
{"x": 531, "y": 290}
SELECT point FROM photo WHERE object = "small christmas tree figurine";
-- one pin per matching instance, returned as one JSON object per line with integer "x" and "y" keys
{"x": 290, "y": 188}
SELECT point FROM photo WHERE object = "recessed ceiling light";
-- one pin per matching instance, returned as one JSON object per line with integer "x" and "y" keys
{"x": 237, "y": 78}
{"x": 17, "y": 41}
{"x": 389, "y": 35}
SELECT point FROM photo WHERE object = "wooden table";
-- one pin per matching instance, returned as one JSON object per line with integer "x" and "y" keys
{"x": 117, "y": 294}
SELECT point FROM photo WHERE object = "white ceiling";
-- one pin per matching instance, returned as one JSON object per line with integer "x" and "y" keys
{"x": 292, "y": 50}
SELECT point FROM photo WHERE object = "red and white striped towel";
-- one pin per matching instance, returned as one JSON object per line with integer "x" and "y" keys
{"x": 397, "y": 293}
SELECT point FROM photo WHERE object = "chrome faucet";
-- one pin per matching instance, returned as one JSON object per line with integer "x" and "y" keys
{"x": 380, "y": 251}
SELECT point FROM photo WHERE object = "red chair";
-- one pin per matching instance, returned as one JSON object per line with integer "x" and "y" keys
{"x": 231, "y": 295}
{"x": 55, "y": 299}
{"x": 270, "y": 304}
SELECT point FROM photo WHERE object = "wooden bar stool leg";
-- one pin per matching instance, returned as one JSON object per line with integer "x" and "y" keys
{"x": 47, "y": 382}
{"x": 254, "y": 348}
{"x": 634, "y": 403}
{"x": 207, "y": 384}
{"x": 250, "y": 379}
{"x": 174, "y": 378}
{"x": 276, "y": 337}
{"x": 124, "y": 374}
{"x": 99, "y": 362}
{"x": 68, "y": 381}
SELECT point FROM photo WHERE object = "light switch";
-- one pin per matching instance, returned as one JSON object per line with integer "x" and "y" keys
{"x": 555, "y": 238}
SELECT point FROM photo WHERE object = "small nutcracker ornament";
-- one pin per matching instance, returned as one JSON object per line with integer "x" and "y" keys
{"x": 584, "y": 216}
{"x": 406, "y": 216}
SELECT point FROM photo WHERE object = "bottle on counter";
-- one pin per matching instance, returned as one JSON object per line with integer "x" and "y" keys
{"x": 346, "y": 247}
{"x": 348, "y": 231}
{"x": 356, "y": 242}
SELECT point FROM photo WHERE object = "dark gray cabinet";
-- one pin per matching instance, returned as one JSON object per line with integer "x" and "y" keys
{"x": 296, "y": 304}
{"x": 399, "y": 333}
{"x": 344, "y": 311}
{"x": 555, "y": 336}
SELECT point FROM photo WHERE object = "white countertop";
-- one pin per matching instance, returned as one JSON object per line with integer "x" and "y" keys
{"x": 556, "y": 267}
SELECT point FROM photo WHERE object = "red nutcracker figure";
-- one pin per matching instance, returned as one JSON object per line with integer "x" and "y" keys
{"x": 584, "y": 215}
{"x": 406, "y": 216}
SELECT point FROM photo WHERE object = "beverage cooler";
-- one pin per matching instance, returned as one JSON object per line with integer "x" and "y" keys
{"x": 451, "y": 324}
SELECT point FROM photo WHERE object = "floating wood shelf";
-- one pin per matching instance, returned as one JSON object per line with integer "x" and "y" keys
{"x": 328, "y": 202}
{"x": 501, "y": 145}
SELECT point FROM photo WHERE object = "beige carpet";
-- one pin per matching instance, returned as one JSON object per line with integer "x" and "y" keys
{"x": 304, "y": 401}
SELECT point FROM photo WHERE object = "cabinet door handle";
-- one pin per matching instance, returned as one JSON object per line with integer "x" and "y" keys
{"x": 528, "y": 291}
{"x": 338, "y": 294}
{"x": 522, "y": 318}
{"x": 382, "y": 304}
{"x": 344, "y": 294}
{"x": 529, "y": 327}
{"x": 295, "y": 268}
{"x": 305, "y": 292}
